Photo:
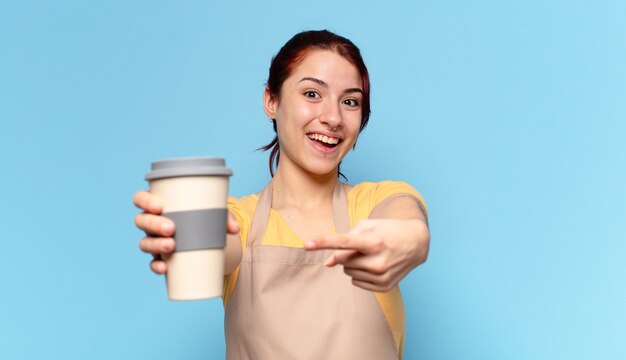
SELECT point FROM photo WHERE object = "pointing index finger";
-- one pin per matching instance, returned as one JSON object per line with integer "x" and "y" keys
{"x": 336, "y": 241}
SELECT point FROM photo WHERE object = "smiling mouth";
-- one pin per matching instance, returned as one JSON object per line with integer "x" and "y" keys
{"x": 326, "y": 141}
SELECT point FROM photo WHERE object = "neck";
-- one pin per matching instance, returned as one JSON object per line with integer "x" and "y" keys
{"x": 295, "y": 187}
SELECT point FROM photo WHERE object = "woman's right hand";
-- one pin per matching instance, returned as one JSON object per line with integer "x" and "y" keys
{"x": 159, "y": 229}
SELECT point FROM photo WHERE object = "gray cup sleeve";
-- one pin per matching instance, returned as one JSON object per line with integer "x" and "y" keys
{"x": 199, "y": 229}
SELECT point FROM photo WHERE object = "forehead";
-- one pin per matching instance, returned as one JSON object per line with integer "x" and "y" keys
{"x": 327, "y": 66}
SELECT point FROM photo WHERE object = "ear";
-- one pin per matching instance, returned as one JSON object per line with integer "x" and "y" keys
{"x": 269, "y": 103}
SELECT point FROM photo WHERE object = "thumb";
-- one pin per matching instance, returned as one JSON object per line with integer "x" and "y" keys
{"x": 232, "y": 226}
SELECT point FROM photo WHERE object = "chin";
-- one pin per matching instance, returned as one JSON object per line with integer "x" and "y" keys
{"x": 322, "y": 171}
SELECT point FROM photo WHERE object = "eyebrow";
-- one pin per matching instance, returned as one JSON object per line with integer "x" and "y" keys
{"x": 324, "y": 84}
{"x": 318, "y": 81}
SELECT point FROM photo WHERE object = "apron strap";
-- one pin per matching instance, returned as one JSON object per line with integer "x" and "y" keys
{"x": 262, "y": 213}
{"x": 261, "y": 216}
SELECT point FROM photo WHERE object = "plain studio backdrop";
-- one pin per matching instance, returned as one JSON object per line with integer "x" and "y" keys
{"x": 507, "y": 116}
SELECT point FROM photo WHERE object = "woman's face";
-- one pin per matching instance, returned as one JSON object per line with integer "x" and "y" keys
{"x": 318, "y": 112}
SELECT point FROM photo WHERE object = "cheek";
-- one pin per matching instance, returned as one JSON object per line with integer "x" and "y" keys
{"x": 353, "y": 122}
{"x": 305, "y": 111}
{"x": 297, "y": 112}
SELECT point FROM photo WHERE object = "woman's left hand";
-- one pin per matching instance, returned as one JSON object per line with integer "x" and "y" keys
{"x": 377, "y": 253}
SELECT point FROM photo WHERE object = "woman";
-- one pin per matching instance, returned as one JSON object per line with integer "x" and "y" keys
{"x": 313, "y": 264}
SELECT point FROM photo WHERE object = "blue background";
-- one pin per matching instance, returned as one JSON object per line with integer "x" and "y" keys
{"x": 507, "y": 116}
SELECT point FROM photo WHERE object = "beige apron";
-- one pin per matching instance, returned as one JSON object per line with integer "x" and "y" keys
{"x": 288, "y": 305}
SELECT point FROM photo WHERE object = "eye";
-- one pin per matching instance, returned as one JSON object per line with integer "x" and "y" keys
{"x": 311, "y": 94}
{"x": 351, "y": 102}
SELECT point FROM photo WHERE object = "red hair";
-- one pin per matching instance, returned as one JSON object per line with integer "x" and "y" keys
{"x": 293, "y": 52}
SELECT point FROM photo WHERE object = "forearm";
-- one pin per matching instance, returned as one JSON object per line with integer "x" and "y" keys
{"x": 232, "y": 253}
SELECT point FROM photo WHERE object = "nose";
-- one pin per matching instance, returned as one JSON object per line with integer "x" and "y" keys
{"x": 331, "y": 115}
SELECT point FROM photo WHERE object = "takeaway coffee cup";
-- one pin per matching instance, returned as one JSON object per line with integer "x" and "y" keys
{"x": 194, "y": 192}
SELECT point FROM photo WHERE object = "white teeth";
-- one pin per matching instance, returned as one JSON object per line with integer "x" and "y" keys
{"x": 324, "y": 138}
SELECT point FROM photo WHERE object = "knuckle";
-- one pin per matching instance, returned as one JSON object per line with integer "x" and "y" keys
{"x": 378, "y": 244}
{"x": 379, "y": 266}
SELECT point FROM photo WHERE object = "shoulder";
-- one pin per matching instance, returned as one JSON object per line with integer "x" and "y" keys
{"x": 379, "y": 191}
{"x": 245, "y": 204}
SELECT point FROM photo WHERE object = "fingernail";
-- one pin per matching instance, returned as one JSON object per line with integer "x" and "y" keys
{"x": 330, "y": 261}
{"x": 309, "y": 245}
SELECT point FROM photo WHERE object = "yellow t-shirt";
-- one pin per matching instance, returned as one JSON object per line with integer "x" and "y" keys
{"x": 362, "y": 198}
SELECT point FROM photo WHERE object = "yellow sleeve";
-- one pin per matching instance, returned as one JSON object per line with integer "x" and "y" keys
{"x": 387, "y": 189}
{"x": 365, "y": 196}
{"x": 240, "y": 209}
